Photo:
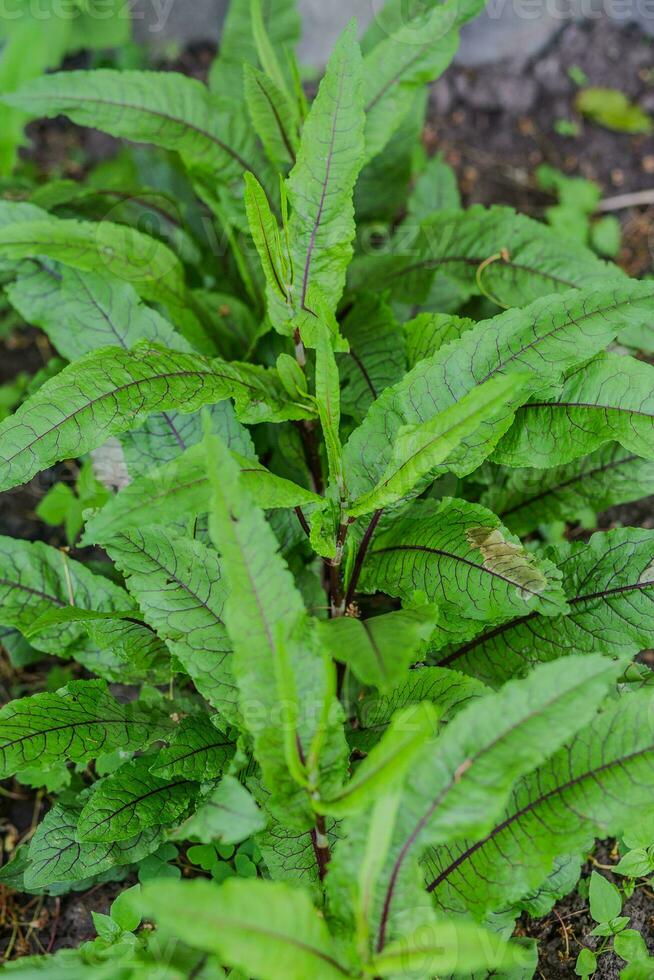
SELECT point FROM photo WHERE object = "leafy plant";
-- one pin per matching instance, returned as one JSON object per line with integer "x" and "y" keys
{"x": 611, "y": 108}
{"x": 578, "y": 199}
{"x": 605, "y": 907}
{"x": 372, "y": 711}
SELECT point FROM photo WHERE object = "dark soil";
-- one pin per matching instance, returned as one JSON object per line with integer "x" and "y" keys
{"x": 562, "y": 934}
{"x": 495, "y": 125}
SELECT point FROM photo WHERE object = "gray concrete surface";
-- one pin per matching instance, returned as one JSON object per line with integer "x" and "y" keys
{"x": 508, "y": 28}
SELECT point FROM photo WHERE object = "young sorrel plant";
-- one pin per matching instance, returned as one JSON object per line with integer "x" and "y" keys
{"x": 359, "y": 650}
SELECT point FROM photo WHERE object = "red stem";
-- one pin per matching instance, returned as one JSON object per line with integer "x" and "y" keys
{"x": 361, "y": 556}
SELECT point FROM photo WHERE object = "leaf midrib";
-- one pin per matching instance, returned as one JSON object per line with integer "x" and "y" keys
{"x": 159, "y": 113}
{"x": 567, "y": 322}
{"x": 135, "y": 801}
{"x": 259, "y": 930}
{"x": 325, "y": 184}
{"x": 37, "y": 592}
{"x": 589, "y": 774}
{"x": 465, "y": 561}
{"x": 189, "y": 755}
{"x": 577, "y": 478}
{"x": 151, "y": 379}
{"x": 591, "y": 405}
{"x": 71, "y": 724}
{"x": 476, "y": 261}
{"x": 473, "y": 759}
{"x": 504, "y": 627}
{"x": 82, "y": 282}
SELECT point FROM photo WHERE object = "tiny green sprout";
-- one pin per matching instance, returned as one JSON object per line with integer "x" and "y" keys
{"x": 586, "y": 964}
{"x": 567, "y": 127}
{"x": 577, "y": 75}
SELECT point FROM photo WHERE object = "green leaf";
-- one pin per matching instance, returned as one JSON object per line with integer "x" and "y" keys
{"x": 428, "y": 332}
{"x": 103, "y": 393}
{"x": 461, "y": 782}
{"x": 376, "y": 358}
{"x": 635, "y": 864}
{"x": 447, "y": 690}
{"x": 132, "y": 800}
{"x": 85, "y": 311}
{"x": 127, "y": 652}
{"x": 111, "y": 390}
{"x": 387, "y": 762}
{"x": 27, "y": 52}
{"x": 382, "y": 189}
{"x": 196, "y": 751}
{"x": 526, "y": 498}
{"x": 529, "y": 260}
{"x": 284, "y": 682}
{"x": 163, "y": 437}
{"x": 436, "y": 189}
{"x": 562, "y": 880}
{"x": 605, "y": 898}
{"x": 273, "y": 116}
{"x": 259, "y": 394}
{"x": 606, "y": 236}
{"x": 37, "y": 580}
{"x": 630, "y": 945}
{"x": 183, "y": 487}
{"x": 545, "y": 340}
{"x": 57, "y": 854}
{"x": 229, "y": 814}
{"x": 462, "y": 558}
{"x": 448, "y": 946}
{"x": 607, "y": 400}
{"x": 586, "y": 963}
{"x": 419, "y": 449}
{"x": 164, "y": 108}
{"x": 117, "y": 250}
{"x": 79, "y": 722}
{"x": 321, "y": 184}
{"x": 328, "y": 401}
{"x": 239, "y": 46}
{"x": 593, "y": 787}
{"x": 12, "y": 872}
{"x": 264, "y": 928}
{"x": 608, "y": 585}
{"x": 123, "y": 912}
{"x": 290, "y": 854}
{"x": 267, "y": 239}
{"x": 417, "y": 53}
{"x": 179, "y": 585}
{"x": 380, "y": 649}
{"x": 611, "y": 108}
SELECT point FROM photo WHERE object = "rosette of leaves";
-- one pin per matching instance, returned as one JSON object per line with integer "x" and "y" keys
{"x": 348, "y": 638}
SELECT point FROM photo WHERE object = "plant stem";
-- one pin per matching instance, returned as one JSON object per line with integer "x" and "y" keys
{"x": 307, "y": 430}
{"x": 336, "y": 599}
{"x": 319, "y": 839}
{"x": 361, "y": 556}
{"x": 621, "y": 202}
{"x": 304, "y": 524}
{"x": 320, "y": 843}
